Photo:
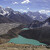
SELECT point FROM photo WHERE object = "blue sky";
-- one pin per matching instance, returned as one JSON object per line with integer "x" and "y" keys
{"x": 43, "y": 6}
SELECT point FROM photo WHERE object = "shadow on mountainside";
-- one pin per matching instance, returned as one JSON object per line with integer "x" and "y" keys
{"x": 41, "y": 34}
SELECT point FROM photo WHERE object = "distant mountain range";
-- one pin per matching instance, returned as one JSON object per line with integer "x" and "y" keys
{"x": 37, "y": 16}
{"x": 9, "y": 15}
{"x": 36, "y": 23}
{"x": 14, "y": 16}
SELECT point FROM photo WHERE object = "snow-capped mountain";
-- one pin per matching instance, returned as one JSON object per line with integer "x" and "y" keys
{"x": 37, "y": 15}
{"x": 47, "y": 22}
{"x": 9, "y": 9}
{"x": 22, "y": 17}
{"x": 15, "y": 15}
{"x": 2, "y": 11}
{"x": 37, "y": 24}
{"x": 6, "y": 11}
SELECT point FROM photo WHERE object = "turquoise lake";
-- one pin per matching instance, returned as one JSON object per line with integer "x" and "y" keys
{"x": 22, "y": 40}
{"x": 25, "y": 29}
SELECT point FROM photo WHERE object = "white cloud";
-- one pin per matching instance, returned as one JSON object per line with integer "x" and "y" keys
{"x": 44, "y": 11}
{"x": 15, "y": 2}
{"x": 23, "y": 10}
{"x": 28, "y": 8}
{"x": 8, "y": 7}
{"x": 25, "y": 1}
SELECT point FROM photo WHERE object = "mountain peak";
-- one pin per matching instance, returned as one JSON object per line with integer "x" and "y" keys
{"x": 37, "y": 15}
{"x": 9, "y": 9}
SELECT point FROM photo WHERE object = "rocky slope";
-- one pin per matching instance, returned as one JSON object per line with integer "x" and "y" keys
{"x": 5, "y": 27}
{"x": 41, "y": 34}
{"x": 12, "y": 46}
{"x": 5, "y": 19}
{"x": 36, "y": 23}
{"x": 8, "y": 31}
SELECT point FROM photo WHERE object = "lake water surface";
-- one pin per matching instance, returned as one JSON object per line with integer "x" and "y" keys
{"x": 22, "y": 40}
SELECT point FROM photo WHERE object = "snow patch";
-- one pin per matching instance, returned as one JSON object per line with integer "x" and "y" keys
{"x": 46, "y": 24}
{"x": 41, "y": 17}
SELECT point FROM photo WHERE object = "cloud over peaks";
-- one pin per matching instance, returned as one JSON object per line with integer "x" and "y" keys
{"x": 44, "y": 11}
{"x": 15, "y": 2}
{"x": 25, "y": 1}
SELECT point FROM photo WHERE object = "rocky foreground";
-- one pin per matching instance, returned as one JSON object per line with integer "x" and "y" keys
{"x": 12, "y": 46}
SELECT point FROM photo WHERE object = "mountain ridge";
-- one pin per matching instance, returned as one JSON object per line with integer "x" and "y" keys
{"x": 17, "y": 16}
